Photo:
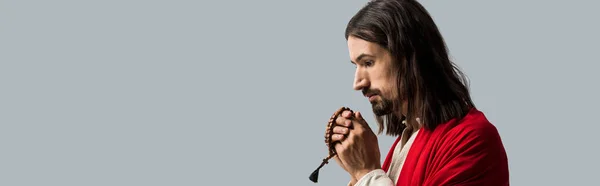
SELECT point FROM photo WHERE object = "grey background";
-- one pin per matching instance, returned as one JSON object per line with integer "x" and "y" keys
{"x": 176, "y": 92}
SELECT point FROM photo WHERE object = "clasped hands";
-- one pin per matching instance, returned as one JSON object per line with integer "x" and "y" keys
{"x": 358, "y": 150}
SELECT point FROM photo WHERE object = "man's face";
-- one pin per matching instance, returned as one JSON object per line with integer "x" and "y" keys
{"x": 373, "y": 74}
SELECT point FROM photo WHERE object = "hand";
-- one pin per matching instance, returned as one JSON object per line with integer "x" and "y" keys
{"x": 343, "y": 124}
{"x": 358, "y": 152}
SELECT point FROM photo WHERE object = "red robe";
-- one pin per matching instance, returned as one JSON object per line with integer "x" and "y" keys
{"x": 469, "y": 152}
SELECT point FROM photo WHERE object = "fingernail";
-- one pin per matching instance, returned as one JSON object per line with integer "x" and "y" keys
{"x": 348, "y": 122}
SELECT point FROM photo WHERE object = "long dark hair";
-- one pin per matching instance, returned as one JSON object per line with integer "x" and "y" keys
{"x": 435, "y": 89}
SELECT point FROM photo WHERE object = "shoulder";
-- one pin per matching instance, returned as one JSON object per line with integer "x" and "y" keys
{"x": 474, "y": 125}
{"x": 471, "y": 151}
{"x": 473, "y": 133}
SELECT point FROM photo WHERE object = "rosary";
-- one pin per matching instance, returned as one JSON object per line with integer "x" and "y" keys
{"x": 328, "y": 134}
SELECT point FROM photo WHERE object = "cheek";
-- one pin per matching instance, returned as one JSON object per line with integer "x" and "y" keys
{"x": 389, "y": 86}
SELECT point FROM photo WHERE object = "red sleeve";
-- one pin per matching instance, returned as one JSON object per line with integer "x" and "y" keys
{"x": 470, "y": 155}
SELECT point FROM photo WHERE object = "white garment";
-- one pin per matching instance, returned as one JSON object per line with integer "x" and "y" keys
{"x": 379, "y": 177}
{"x": 400, "y": 153}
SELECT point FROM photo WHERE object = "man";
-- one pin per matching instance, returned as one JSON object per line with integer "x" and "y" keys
{"x": 418, "y": 94}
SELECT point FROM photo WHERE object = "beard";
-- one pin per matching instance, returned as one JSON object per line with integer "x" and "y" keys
{"x": 382, "y": 107}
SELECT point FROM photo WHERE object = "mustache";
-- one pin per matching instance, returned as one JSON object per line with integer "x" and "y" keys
{"x": 370, "y": 91}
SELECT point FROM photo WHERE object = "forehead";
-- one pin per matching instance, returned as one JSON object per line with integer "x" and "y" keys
{"x": 357, "y": 46}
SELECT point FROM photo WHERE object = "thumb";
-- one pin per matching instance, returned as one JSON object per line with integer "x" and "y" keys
{"x": 360, "y": 119}
{"x": 358, "y": 115}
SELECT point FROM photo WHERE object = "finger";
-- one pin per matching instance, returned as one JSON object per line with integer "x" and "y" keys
{"x": 339, "y": 121}
{"x": 360, "y": 118}
{"x": 358, "y": 115}
{"x": 340, "y": 130}
{"x": 362, "y": 124}
{"x": 347, "y": 114}
{"x": 337, "y": 137}
{"x": 343, "y": 122}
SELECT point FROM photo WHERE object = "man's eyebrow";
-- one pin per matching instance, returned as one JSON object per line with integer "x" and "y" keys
{"x": 360, "y": 57}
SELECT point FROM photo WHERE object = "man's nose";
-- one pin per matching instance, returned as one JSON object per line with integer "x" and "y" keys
{"x": 360, "y": 82}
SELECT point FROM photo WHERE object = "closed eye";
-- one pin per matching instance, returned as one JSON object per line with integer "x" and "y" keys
{"x": 369, "y": 63}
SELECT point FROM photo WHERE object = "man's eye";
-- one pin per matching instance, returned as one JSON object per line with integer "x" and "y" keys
{"x": 368, "y": 63}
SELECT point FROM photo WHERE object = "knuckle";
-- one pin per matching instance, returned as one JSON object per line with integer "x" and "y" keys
{"x": 347, "y": 113}
{"x": 336, "y": 129}
{"x": 339, "y": 120}
{"x": 339, "y": 130}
